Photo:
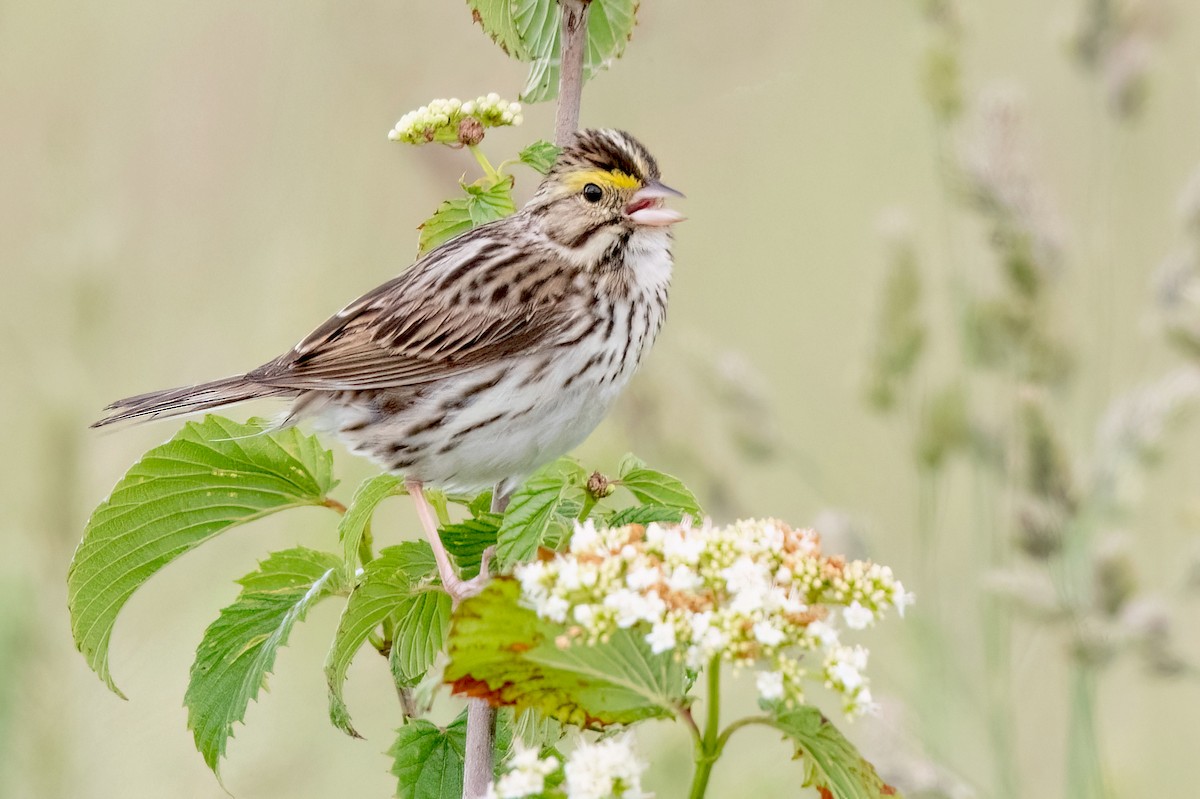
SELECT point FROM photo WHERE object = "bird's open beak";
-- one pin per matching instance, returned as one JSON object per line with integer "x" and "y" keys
{"x": 646, "y": 206}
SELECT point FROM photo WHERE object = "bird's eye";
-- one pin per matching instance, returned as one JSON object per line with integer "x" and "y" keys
{"x": 592, "y": 193}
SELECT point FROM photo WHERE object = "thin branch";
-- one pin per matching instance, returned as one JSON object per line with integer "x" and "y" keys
{"x": 481, "y": 717}
{"x": 570, "y": 77}
{"x": 737, "y": 725}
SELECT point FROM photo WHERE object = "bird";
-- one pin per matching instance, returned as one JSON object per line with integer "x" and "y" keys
{"x": 493, "y": 354}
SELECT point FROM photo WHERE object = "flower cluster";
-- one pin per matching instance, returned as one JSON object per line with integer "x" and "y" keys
{"x": 754, "y": 593}
{"x": 605, "y": 769}
{"x": 456, "y": 122}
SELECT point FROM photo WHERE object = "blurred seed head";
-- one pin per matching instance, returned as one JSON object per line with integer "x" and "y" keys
{"x": 1147, "y": 623}
{"x": 1130, "y": 435}
{"x": 1029, "y": 592}
{"x": 941, "y": 68}
{"x": 1046, "y": 463}
{"x": 1117, "y": 40}
{"x": 1114, "y": 576}
{"x": 944, "y": 426}
{"x": 1094, "y": 643}
{"x": 1001, "y": 180}
{"x": 900, "y": 331}
{"x": 1177, "y": 283}
{"x": 1041, "y": 526}
{"x": 890, "y": 741}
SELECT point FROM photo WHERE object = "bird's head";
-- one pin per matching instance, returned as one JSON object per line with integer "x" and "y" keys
{"x": 604, "y": 186}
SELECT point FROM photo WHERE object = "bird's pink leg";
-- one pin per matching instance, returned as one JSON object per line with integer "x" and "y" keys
{"x": 455, "y": 586}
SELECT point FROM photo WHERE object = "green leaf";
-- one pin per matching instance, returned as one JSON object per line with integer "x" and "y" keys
{"x": 238, "y": 649}
{"x": 540, "y": 155}
{"x": 358, "y": 518}
{"x": 393, "y": 577}
{"x": 212, "y": 475}
{"x": 628, "y": 463}
{"x": 644, "y": 514}
{"x": 539, "y": 25}
{"x": 484, "y": 203}
{"x": 533, "y": 509}
{"x": 503, "y": 652}
{"x": 831, "y": 762}
{"x": 421, "y": 624}
{"x": 467, "y": 540}
{"x": 428, "y": 760}
{"x": 496, "y": 19}
{"x": 655, "y": 488}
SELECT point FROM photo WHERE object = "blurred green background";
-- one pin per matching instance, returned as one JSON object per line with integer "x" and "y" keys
{"x": 188, "y": 188}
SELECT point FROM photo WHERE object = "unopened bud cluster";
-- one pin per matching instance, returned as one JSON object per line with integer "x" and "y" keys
{"x": 456, "y": 122}
{"x": 605, "y": 769}
{"x": 754, "y": 593}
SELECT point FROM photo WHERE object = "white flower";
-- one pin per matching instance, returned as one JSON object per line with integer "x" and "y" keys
{"x": 584, "y": 615}
{"x": 745, "y": 576}
{"x": 661, "y": 637}
{"x": 902, "y": 599}
{"x": 677, "y": 546}
{"x": 517, "y": 784}
{"x": 533, "y": 578}
{"x": 845, "y": 675}
{"x": 526, "y": 774}
{"x": 643, "y": 577}
{"x": 771, "y": 537}
{"x": 770, "y": 685}
{"x": 553, "y": 608}
{"x": 604, "y": 769}
{"x": 585, "y": 537}
{"x": 844, "y": 668}
{"x": 861, "y": 704}
{"x": 742, "y": 593}
{"x": 768, "y": 634}
{"x": 440, "y": 120}
{"x": 856, "y": 616}
{"x": 632, "y": 607}
{"x": 684, "y": 579}
{"x": 568, "y": 576}
{"x": 822, "y": 634}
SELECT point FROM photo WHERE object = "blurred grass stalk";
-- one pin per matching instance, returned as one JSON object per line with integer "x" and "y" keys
{"x": 996, "y": 413}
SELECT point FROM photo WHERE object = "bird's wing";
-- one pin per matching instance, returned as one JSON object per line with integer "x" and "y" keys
{"x": 461, "y": 306}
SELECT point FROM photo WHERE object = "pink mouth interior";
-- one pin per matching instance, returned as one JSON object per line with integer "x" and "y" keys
{"x": 649, "y": 202}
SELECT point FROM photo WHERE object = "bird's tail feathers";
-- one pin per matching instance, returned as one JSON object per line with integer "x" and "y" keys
{"x": 187, "y": 399}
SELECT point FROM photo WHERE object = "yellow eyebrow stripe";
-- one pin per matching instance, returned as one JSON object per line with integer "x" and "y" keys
{"x": 615, "y": 179}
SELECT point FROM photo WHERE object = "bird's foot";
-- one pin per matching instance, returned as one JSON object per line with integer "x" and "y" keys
{"x": 458, "y": 588}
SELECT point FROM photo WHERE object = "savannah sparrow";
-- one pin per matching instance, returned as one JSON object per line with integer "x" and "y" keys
{"x": 493, "y": 354}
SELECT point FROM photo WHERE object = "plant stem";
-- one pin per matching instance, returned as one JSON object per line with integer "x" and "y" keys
{"x": 483, "y": 162}
{"x": 708, "y": 748}
{"x": 712, "y": 724}
{"x": 1085, "y": 774}
{"x": 589, "y": 502}
{"x": 737, "y": 725}
{"x": 481, "y": 719}
{"x": 570, "y": 76}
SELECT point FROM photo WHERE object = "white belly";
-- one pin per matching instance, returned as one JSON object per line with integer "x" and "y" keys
{"x": 523, "y": 412}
